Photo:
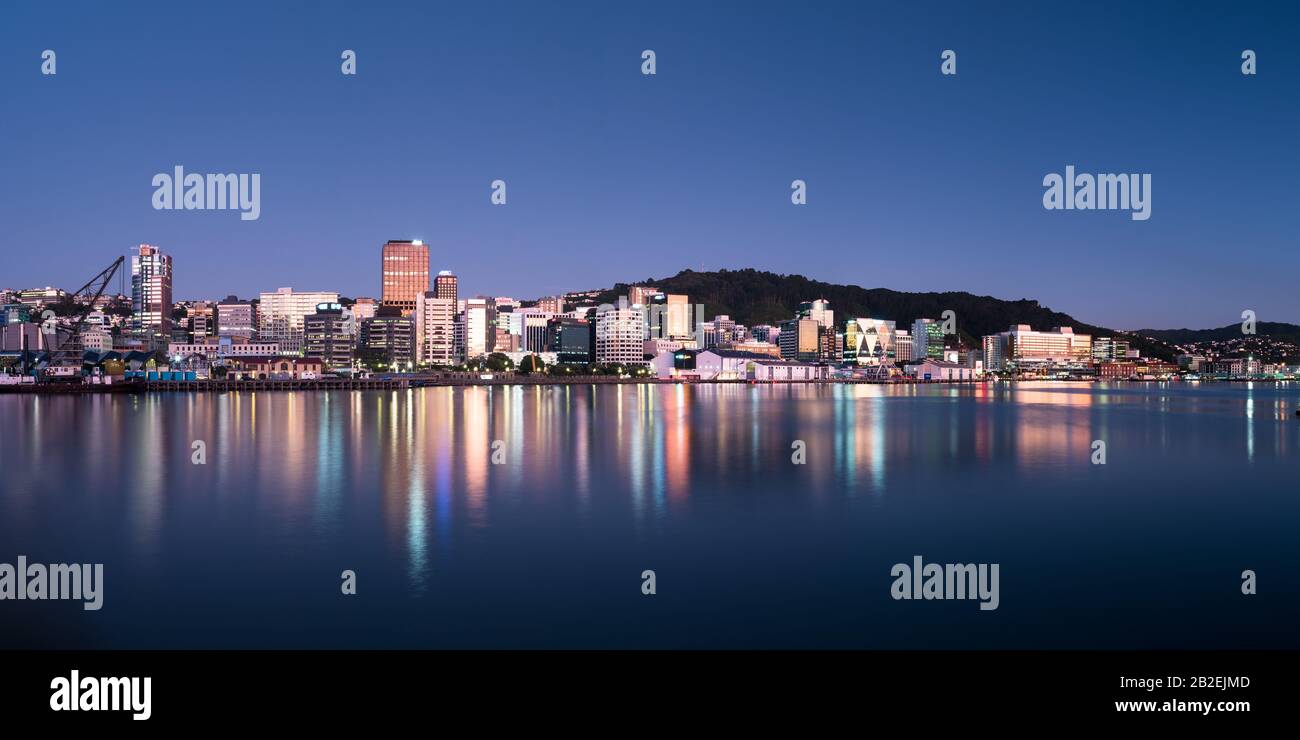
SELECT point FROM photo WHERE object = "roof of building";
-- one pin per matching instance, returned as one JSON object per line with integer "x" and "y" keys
{"x": 738, "y": 354}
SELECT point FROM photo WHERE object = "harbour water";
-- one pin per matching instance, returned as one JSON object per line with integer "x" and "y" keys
{"x": 545, "y": 545}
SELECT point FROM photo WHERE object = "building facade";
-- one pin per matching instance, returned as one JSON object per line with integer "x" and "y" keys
{"x": 405, "y": 274}
{"x": 151, "y": 295}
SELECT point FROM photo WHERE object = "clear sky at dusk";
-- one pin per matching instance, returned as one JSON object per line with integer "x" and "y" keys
{"x": 916, "y": 181}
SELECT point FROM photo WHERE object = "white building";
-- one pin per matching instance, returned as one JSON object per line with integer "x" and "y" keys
{"x": 280, "y": 316}
{"x": 932, "y": 369}
{"x": 479, "y": 320}
{"x": 435, "y": 329}
{"x": 620, "y": 335}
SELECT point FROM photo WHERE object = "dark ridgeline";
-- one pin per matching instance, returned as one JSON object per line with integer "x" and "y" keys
{"x": 753, "y": 297}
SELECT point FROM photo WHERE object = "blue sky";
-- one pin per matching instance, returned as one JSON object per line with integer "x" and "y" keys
{"x": 916, "y": 181}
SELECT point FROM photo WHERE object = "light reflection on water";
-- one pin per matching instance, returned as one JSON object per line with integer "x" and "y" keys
{"x": 407, "y": 476}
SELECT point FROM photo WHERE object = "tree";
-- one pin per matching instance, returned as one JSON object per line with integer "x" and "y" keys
{"x": 532, "y": 364}
{"x": 499, "y": 363}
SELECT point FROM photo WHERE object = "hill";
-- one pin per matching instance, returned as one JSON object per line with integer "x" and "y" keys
{"x": 754, "y": 297}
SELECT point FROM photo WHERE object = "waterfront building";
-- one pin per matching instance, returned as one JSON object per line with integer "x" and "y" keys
{"x": 902, "y": 346}
{"x": 327, "y": 336}
{"x": 280, "y": 316}
{"x": 572, "y": 339}
{"x": 275, "y": 368}
{"x": 1106, "y": 349}
{"x": 869, "y": 342}
{"x": 389, "y": 339}
{"x": 932, "y": 369}
{"x": 435, "y": 318}
{"x": 480, "y": 331}
{"x": 405, "y": 274}
{"x": 151, "y": 295}
{"x": 927, "y": 339}
{"x": 620, "y": 335}
{"x": 799, "y": 340}
{"x": 1021, "y": 348}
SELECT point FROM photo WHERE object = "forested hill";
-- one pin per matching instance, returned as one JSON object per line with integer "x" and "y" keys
{"x": 754, "y": 297}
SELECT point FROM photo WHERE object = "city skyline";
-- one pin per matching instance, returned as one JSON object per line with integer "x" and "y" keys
{"x": 615, "y": 176}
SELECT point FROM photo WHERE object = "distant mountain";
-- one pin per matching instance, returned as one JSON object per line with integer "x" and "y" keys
{"x": 754, "y": 297}
{"x": 1275, "y": 329}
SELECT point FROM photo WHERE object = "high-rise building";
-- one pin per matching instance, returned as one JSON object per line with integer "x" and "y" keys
{"x": 151, "y": 295}
{"x": 480, "y": 327}
{"x": 388, "y": 338}
{"x": 445, "y": 286}
{"x": 799, "y": 340}
{"x": 869, "y": 342}
{"x": 927, "y": 339}
{"x": 620, "y": 335}
{"x": 902, "y": 346}
{"x": 280, "y": 316}
{"x": 236, "y": 318}
{"x": 405, "y": 274}
{"x": 572, "y": 340}
{"x": 671, "y": 317}
{"x": 435, "y": 329}
{"x": 818, "y": 310}
{"x": 326, "y": 336}
{"x": 533, "y": 330}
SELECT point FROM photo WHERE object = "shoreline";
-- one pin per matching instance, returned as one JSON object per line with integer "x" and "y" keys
{"x": 408, "y": 383}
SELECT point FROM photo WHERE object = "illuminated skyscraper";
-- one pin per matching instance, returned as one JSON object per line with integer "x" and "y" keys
{"x": 405, "y": 274}
{"x": 151, "y": 295}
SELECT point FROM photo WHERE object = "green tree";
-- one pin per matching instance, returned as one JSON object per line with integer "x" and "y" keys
{"x": 499, "y": 363}
{"x": 532, "y": 364}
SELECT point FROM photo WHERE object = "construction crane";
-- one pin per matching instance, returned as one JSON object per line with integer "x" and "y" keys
{"x": 63, "y": 340}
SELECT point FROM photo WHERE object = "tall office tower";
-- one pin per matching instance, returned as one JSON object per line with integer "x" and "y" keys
{"x": 280, "y": 316}
{"x": 435, "y": 329}
{"x": 551, "y": 304}
{"x": 405, "y": 274}
{"x": 236, "y": 318}
{"x": 671, "y": 316}
{"x": 927, "y": 339}
{"x": 799, "y": 340}
{"x": 480, "y": 327}
{"x": 902, "y": 346}
{"x": 639, "y": 295}
{"x": 818, "y": 310}
{"x": 326, "y": 336}
{"x": 151, "y": 295}
{"x": 620, "y": 335}
{"x": 445, "y": 286}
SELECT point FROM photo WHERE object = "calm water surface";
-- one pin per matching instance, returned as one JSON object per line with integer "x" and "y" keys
{"x": 601, "y": 483}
